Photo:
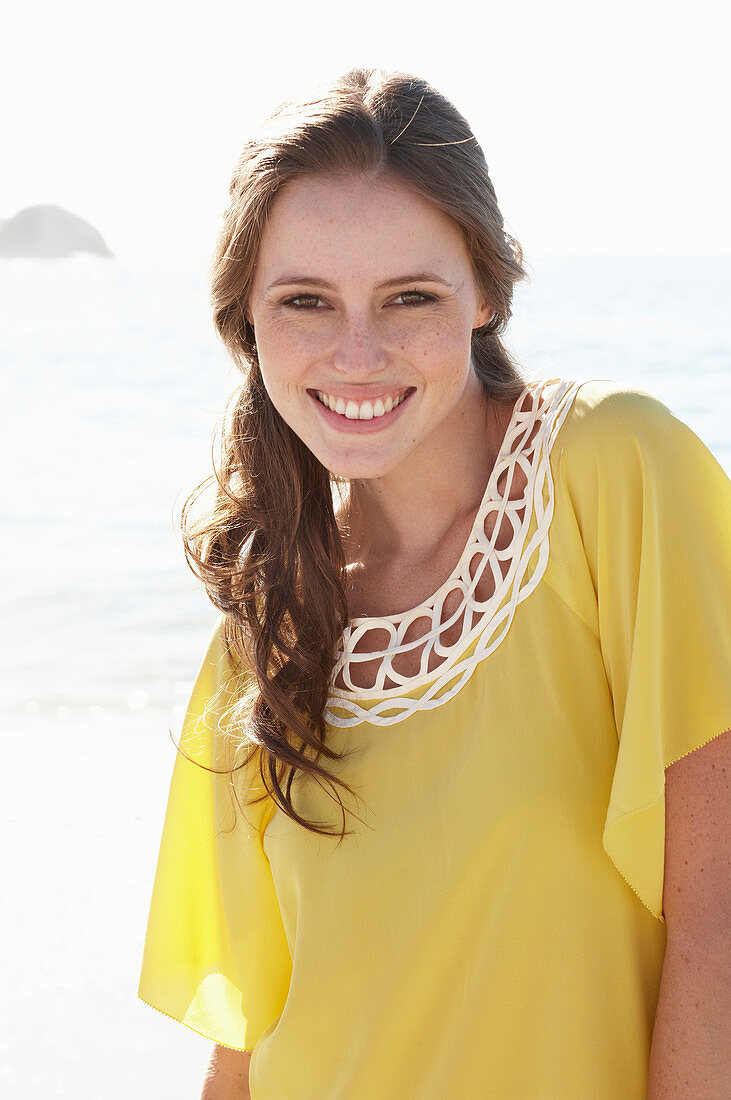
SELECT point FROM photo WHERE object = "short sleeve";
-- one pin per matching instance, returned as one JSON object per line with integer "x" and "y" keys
{"x": 215, "y": 956}
{"x": 654, "y": 508}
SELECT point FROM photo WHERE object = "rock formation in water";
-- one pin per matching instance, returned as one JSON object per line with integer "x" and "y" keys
{"x": 48, "y": 233}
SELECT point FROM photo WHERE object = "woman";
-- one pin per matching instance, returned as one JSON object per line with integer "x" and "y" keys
{"x": 429, "y": 832}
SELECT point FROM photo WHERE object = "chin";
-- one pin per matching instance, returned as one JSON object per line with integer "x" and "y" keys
{"x": 356, "y": 471}
{"x": 357, "y": 468}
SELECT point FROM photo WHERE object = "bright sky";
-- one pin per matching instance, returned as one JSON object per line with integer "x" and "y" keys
{"x": 602, "y": 124}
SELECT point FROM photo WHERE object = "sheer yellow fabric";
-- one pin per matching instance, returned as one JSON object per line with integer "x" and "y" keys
{"x": 493, "y": 926}
{"x": 654, "y": 510}
{"x": 215, "y": 953}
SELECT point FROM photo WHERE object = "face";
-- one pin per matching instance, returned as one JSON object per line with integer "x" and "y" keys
{"x": 363, "y": 305}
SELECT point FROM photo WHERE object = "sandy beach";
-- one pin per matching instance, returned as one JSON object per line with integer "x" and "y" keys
{"x": 82, "y": 814}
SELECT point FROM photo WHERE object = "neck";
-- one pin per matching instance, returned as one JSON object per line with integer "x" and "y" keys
{"x": 407, "y": 513}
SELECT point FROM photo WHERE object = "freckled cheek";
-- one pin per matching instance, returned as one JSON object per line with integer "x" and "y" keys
{"x": 414, "y": 343}
{"x": 284, "y": 385}
{"x": 440, "y": 345}
{"x": 284, "y": 358}
{"x": 298, "y": 346}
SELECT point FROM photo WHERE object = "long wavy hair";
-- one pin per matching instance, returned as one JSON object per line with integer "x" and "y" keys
{"x": 267, "y": 545}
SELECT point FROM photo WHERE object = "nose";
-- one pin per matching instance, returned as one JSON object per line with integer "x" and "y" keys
{"x": 359, "y": 351}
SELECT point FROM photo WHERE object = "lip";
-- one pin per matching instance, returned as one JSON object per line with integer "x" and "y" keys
{"x": 361, "y": 427}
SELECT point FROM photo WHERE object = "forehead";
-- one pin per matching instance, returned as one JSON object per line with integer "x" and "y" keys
{"x": 333, "y": 225}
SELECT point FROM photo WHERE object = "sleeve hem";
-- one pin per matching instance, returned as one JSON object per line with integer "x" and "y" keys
{"x": 635, "y": 843}
{"x": 698, "y": 746}
{"x": 616, "y": 847}
{"x": 197, "y": 1031}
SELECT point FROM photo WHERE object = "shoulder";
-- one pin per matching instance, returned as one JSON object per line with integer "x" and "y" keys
{"x": 614, "y": 433}
{"x": 606, "y": 413}
{"x": 629, "y": 471}
{"x": 221, "y": 667}
{"x": 220, "y": 694}
{"x": 214, "y": 733}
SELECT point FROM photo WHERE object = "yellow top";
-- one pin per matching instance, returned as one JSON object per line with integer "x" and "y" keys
{"x": 493, "y": 927}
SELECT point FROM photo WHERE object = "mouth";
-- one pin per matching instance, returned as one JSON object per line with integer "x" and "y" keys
{"x": 377, "y": 408}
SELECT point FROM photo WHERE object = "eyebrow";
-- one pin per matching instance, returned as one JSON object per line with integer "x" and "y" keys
{"x": 313, "y": 280}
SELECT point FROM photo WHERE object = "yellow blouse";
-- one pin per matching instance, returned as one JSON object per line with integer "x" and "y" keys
{"x": 492, "y": 927}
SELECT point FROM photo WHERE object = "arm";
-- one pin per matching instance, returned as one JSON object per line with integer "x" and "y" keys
{"x": 227, "y": 1076}
{"x": 691, "y": 1043}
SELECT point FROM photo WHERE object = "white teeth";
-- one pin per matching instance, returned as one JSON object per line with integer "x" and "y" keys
{"x": 366, "y": 410}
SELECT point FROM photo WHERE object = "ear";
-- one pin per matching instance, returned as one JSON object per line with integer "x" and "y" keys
{"x": 483, "y": 315}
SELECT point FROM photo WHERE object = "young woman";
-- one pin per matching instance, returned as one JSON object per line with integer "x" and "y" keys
{"x": 447, "y": 818}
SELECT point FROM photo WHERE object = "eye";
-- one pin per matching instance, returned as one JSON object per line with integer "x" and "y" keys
{"x": 309, "y": 298}
{"x": 307, "y": 303}
{"x": 423, "y": 299}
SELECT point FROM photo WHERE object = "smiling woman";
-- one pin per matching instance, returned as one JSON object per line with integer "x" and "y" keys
{"x": 392, "y": 356}
{"x": 349, "y": 206}
{"x": 520, "y": 578}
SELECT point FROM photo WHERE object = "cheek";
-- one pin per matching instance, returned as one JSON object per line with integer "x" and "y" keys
{"x": 279, "y": 382}
{"x": 282, "y": 357}
{"x": 284, "y": 351}
{"x": 443, "y": 344}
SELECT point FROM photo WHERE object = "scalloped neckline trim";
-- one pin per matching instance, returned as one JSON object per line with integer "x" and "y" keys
{"x": 489, "y": 497}
{"x": 480, "y": 619}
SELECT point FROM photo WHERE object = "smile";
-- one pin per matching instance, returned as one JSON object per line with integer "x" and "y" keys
{"x": 361, "y": 410}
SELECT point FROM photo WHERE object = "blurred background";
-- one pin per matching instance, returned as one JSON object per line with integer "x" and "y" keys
{"x": 601, "y": 126}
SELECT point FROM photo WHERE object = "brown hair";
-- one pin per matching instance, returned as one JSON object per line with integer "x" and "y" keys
{"x": 268, "y": 548}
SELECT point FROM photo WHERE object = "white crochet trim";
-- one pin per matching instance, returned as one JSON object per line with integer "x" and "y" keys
{"x": 547, "y": 402}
